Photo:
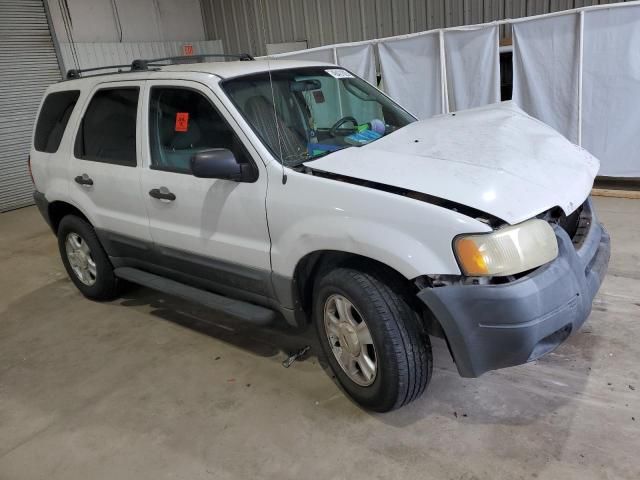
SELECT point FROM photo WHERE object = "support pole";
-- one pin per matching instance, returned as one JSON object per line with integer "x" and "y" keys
{"x": 580, "y": 68}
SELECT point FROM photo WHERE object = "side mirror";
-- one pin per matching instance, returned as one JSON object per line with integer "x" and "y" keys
{"x": 217, "y": 163}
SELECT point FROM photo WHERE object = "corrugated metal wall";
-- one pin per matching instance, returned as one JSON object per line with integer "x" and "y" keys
{"x": 247, "y": 25}
{"x": 28, "y": 65}
{"x": 89, "y": 55}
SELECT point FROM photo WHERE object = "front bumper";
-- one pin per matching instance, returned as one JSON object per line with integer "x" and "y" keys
{"x": 495, "y": 326}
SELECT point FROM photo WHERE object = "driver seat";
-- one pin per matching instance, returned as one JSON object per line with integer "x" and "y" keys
{"x": 261, "y": 115}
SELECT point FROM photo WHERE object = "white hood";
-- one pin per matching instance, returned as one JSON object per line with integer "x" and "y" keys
{"x": 496, "y": 159}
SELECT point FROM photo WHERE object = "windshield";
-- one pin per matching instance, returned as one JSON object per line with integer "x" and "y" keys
{"x": 318, "y": 111}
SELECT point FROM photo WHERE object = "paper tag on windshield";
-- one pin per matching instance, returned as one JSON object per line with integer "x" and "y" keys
{"x": 339, "y": 73}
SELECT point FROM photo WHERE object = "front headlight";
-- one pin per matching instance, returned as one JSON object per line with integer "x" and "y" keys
{"x": 508, "y": 250}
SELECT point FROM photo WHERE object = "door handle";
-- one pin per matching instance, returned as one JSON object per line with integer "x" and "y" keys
{"x": 84, "y": 180}
{"x": 162, "y": 193}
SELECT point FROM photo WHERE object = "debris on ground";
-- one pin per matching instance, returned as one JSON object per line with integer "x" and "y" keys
{"x": 295, "y": 356}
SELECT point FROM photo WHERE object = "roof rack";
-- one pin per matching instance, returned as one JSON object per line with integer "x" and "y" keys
{"x": 141, "y": 64}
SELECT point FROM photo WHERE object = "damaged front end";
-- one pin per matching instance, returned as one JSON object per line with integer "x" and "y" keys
{"x": 497, "y": 322}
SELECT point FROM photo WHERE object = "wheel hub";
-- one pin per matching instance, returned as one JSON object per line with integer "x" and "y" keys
{"x": 350, "y": 340}
{"x": 80, "y": 259}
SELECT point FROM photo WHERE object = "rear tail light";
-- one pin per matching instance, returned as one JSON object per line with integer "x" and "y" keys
{"x": 30, "y": 172}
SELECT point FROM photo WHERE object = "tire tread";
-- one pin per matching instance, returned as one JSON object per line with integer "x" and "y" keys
{"x": 106, "y": 286}
{"x": 402, "y": 328}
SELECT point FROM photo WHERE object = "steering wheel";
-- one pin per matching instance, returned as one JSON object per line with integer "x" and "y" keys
{"x": 334, "y": 130}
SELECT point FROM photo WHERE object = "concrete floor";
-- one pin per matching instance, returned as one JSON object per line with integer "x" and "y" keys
{"x": 148, "y": 387}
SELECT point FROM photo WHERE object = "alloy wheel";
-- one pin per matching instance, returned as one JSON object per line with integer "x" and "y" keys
{"x": 350, "y": 340}
{"x": 80, "y": 259}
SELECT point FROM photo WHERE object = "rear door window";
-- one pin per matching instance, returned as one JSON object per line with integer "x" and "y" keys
{"x": 107, "y": 132}
{"x": 53, "y": 119}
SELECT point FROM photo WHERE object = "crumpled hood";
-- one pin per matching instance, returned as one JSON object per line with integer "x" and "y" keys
{"x": 496, "y": 159}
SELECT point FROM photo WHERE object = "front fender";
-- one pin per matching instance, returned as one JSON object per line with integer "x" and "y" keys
{"x": 384, "y": 243}
{"x": 311, "y": 213}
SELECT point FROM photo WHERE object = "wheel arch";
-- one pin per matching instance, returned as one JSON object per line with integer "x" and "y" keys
{"x": 59, "y": 209}
{"x": 314, "y": 265}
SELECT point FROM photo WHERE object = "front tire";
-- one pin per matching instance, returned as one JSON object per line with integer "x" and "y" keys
{"x": 373, "y": 340}
{"x": 85, "y": 260}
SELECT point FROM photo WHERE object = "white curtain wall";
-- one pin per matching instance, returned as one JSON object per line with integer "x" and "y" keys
{"x": 360, "y": 59}
{"x": 546, "y": 64}
{"x": 578, "y": 71}
{"x": 473, "y": 67}
{"x": 611, "y": 89}
{"x": 410, "y": 68}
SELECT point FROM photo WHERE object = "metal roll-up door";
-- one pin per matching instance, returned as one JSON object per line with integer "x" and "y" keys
{"x": 28, "y": 65}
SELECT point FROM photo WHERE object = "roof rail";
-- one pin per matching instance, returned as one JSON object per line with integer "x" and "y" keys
{"x": 144, "y": 64}
{"x": 77, "y": 72}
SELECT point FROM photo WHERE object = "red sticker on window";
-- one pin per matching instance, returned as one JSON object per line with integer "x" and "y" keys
{"x": 182, "y": 121}
{"x": 318, "y": 96}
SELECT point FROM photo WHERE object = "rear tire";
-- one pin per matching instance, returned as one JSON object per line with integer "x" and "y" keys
{"x": 85, "y": 260}
{"x": 400, "y": 350}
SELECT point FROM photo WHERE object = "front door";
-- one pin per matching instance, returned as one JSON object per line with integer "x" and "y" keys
{"x": 205, "y": 229}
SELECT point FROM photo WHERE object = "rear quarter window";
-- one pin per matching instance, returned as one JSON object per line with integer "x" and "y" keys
{"x": 53, "y": 119}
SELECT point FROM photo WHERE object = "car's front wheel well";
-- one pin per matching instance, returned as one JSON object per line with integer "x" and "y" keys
{"x": 315, "y": 265}
{"x": 58, "y": 210}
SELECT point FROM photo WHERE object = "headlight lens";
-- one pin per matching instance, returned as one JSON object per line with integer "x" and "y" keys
{"x": 508, "y": 250}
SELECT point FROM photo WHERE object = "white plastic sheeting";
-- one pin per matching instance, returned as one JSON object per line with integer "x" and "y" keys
{"x": 611, "y": 89}
{"x": 576, "y": 70}
{"x": 473, "y": 66}
{"x": 412, "y": 75}
{"x": 359, "y": 58}
{"x": 579, "y": 72}
{"x": 546, "y": 62}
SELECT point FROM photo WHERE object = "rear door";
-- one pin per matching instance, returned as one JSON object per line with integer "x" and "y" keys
{"x": 105, "y": 166}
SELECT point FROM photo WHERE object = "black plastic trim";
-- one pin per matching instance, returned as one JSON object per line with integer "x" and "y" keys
{"x": 229, "y": 276}
{"x": 235, "y": 308}
{"x": 225, "y": 278}
{"x": 43, "y": 206}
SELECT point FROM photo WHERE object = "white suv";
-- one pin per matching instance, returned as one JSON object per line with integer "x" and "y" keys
{"x": 297, "y": 190}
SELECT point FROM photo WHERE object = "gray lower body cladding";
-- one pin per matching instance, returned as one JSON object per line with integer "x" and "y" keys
{"x": 495, "y": 326}
{"x": 43, "y": 205}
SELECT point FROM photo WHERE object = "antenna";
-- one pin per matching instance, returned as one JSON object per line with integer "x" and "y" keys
{"x": 273, "y": 97}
